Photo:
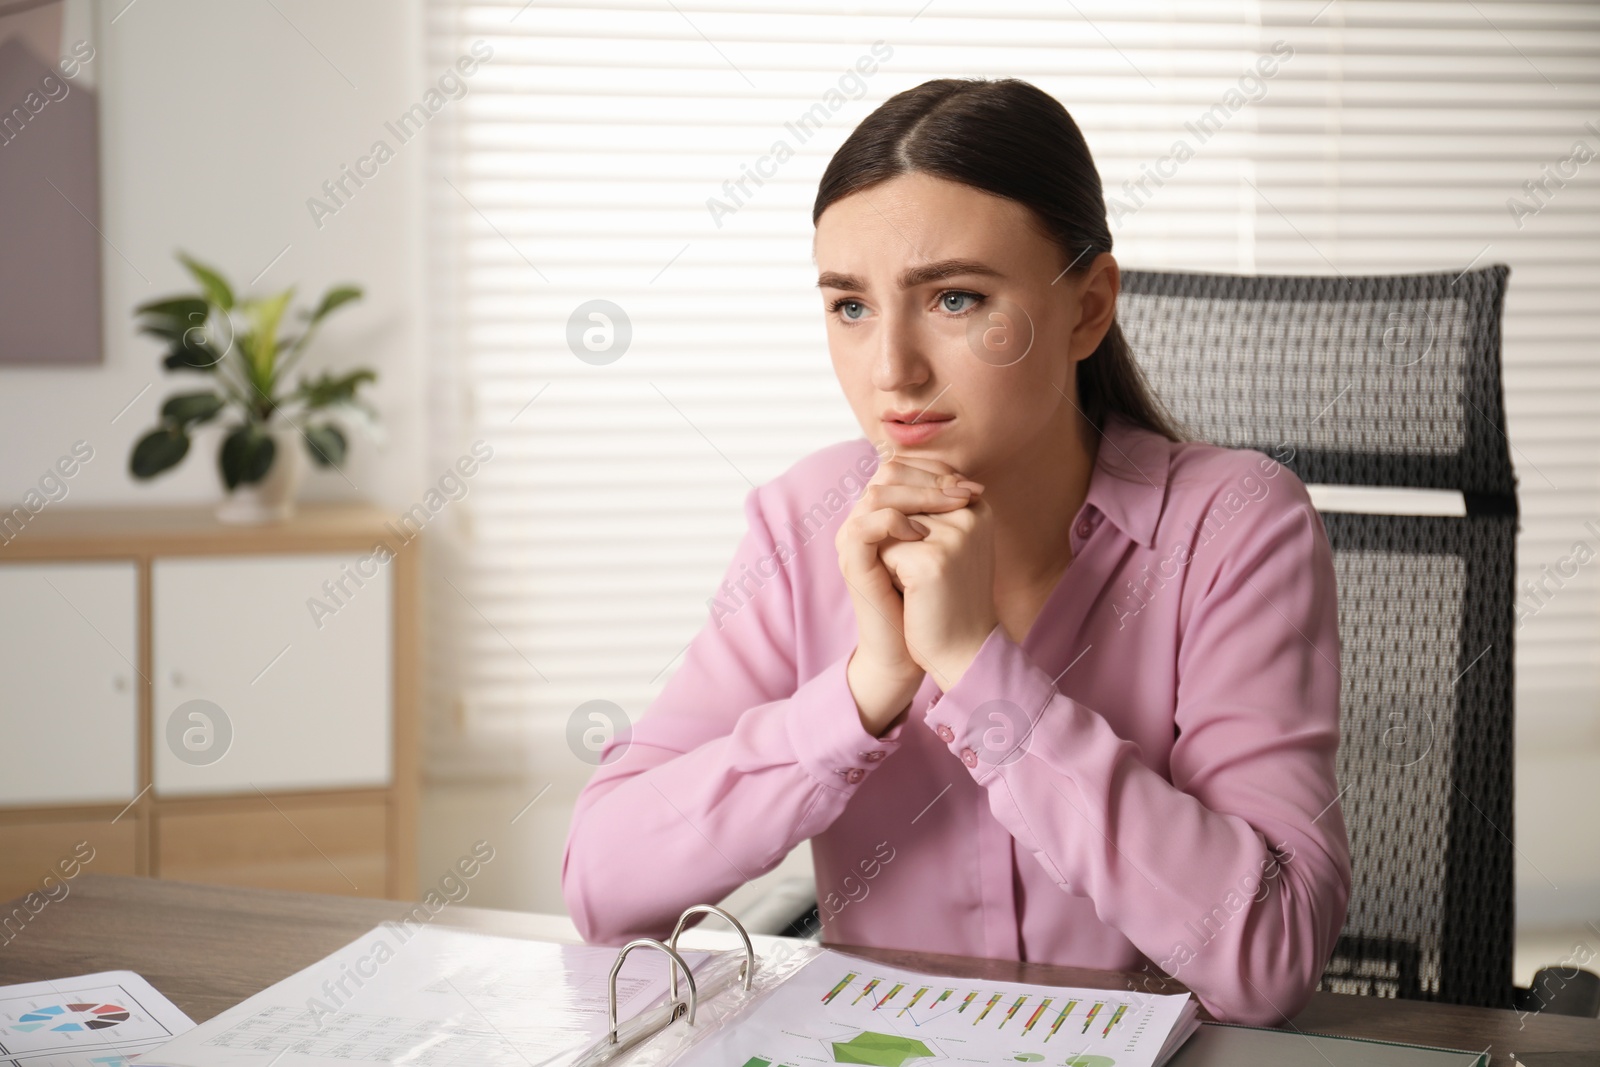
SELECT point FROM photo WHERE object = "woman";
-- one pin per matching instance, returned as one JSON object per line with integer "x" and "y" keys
{"x": 1058, "y": 686}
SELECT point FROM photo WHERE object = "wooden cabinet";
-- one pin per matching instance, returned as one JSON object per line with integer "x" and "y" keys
{"x": 219, "y": 704}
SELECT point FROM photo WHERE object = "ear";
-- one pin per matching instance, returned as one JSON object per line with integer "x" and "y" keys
{"x": 1096, "y": 294}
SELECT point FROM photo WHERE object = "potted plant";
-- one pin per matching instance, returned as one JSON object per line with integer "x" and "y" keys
{"x": 241, "y": 345}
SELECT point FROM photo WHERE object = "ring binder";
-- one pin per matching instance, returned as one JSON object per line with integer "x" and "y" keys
{"x": 676, "y": 1006}
{"x": 651, "y": 1023}
{"x": 746, "y": 972}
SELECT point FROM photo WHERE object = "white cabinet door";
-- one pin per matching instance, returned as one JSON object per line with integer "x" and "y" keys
{"x": 271, "y": 673}
{"x": 69, "y": 683}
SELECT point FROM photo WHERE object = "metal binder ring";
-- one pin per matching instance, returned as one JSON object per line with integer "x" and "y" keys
{"x": 677, "y": 1008}
{"x": 746, "y": 969}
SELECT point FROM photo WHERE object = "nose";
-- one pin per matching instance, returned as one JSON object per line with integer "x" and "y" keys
{"x": 900, "y": 363}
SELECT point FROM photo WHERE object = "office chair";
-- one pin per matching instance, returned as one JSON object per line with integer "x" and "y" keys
{"x": 1391, "y": 382}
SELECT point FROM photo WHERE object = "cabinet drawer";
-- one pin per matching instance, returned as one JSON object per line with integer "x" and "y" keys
{"x": 31, "y": 850}
{"x": 312, "y": 845}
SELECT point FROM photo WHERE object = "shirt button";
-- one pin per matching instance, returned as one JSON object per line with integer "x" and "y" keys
{"x": 874, "y": 756}
{"x": 946, "y": 734}
{"x": 1085, "y": 526}
{"x": 855, "y": 775}
{"x": 969, "y": 757}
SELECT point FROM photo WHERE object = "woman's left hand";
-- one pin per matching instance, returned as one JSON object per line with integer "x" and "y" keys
{"x": 947, "y": 579}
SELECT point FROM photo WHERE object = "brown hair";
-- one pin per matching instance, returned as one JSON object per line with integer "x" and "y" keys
{"x": 1011, "y": 139}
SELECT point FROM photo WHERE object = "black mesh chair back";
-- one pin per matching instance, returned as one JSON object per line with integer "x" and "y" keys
{"x": 1387, "y": 381}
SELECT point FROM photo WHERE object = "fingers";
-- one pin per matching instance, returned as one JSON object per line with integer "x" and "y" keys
{"x": 960, "y": 518}
{"x": 873, "y": 527}
{"x": 925, "y": 463}
{"x": 861, "y": 535}
{"x": 911, "y": 499}
{"x": 903, "y": 471}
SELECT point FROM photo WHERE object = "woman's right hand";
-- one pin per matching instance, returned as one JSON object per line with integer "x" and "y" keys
{"x": 882, "y": 675}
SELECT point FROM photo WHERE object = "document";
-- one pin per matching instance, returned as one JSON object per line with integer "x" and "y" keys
{"x": 843, "y": 1009}
{"x": 429, "y": 997}
{"x": 107, "y": 1019}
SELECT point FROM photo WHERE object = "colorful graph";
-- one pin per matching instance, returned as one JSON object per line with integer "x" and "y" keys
{"x": 881, "y": 1050}
{"x": 70, "y": 1018}
{"x": 879, "y": 1015}
{"x": 868, "y": 1047}
{"x": 1015, "y": 1013}
{"x": 836, "y": 990}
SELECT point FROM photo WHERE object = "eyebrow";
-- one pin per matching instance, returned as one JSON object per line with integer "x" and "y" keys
{"x": 913, "y": 276}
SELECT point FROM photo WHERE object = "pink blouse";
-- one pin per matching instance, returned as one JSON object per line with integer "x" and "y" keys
{"x": 1146, "y": 780}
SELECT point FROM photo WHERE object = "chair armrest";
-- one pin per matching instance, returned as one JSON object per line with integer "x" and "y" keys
{"x": 1564, "y": 991}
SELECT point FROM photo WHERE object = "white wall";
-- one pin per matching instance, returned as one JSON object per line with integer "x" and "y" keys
{"x": 218, "y": 121}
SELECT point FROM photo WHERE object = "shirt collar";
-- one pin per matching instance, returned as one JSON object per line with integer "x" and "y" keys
{"x": 1129, "y": 481}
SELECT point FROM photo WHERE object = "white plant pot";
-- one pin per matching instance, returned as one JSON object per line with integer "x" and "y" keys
{"x": 271, "y": 499}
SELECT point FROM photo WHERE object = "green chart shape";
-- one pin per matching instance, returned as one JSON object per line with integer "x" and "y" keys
{"x": 881, "y": 1050}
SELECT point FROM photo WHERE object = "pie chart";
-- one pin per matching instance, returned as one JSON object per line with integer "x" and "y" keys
{"x": 70, "y": 1018}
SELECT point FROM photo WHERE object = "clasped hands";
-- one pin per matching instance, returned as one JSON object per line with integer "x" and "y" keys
{"x": 917, "y": 554}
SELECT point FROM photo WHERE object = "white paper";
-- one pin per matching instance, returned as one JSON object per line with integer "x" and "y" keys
{"x": 429, "y": 997}
{"x": 843, "y": 1009}
{"x": 94, "y": 1020}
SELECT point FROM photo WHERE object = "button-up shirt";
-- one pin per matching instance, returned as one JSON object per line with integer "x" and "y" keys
{"x": 1146, "y": 781}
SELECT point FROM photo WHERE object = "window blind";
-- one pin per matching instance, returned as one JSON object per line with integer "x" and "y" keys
{"x": 598, "y": 156}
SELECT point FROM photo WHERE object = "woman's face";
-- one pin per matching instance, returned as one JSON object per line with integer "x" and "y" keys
{"x": 948, "y": 306}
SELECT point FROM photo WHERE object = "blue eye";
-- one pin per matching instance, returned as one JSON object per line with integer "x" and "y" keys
{"x": 958, "y": 294}
{"x": 843, "y": 302}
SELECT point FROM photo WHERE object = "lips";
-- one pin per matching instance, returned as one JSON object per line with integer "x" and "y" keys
{"x": 918, "y": 417}
{"x": 910, "y": 433}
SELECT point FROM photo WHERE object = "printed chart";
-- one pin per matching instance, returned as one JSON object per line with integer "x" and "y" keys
{"x": 95, "y": 1020}
{"x": 839, "y": 1009}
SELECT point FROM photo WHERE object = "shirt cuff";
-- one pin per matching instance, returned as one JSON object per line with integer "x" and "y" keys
{"x": 988, "y": 717}
{"x": 824, "y": 726}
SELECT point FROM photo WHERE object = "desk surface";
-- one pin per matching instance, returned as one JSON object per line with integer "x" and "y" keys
{"x": 207, "y": 948}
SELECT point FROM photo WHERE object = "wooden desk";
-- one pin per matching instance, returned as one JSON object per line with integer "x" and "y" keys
{"x": 207, "y": 948}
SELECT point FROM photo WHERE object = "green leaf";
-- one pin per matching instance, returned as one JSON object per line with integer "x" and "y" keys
{"x": 326, "y": 444}
{"x": 158, "y": 450}
{"x": 328, "y": 389}
{"x": 191, "y": 352}
{"x": 175, "y": 307}
{"x": 216, "y": 289}
{"x": 191, "y": 409}
{"x": 262, "y": 344}
{"x": 246, "y": 456}
{"x": 333, "y": 298}
{"x": 171, "y": 319}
